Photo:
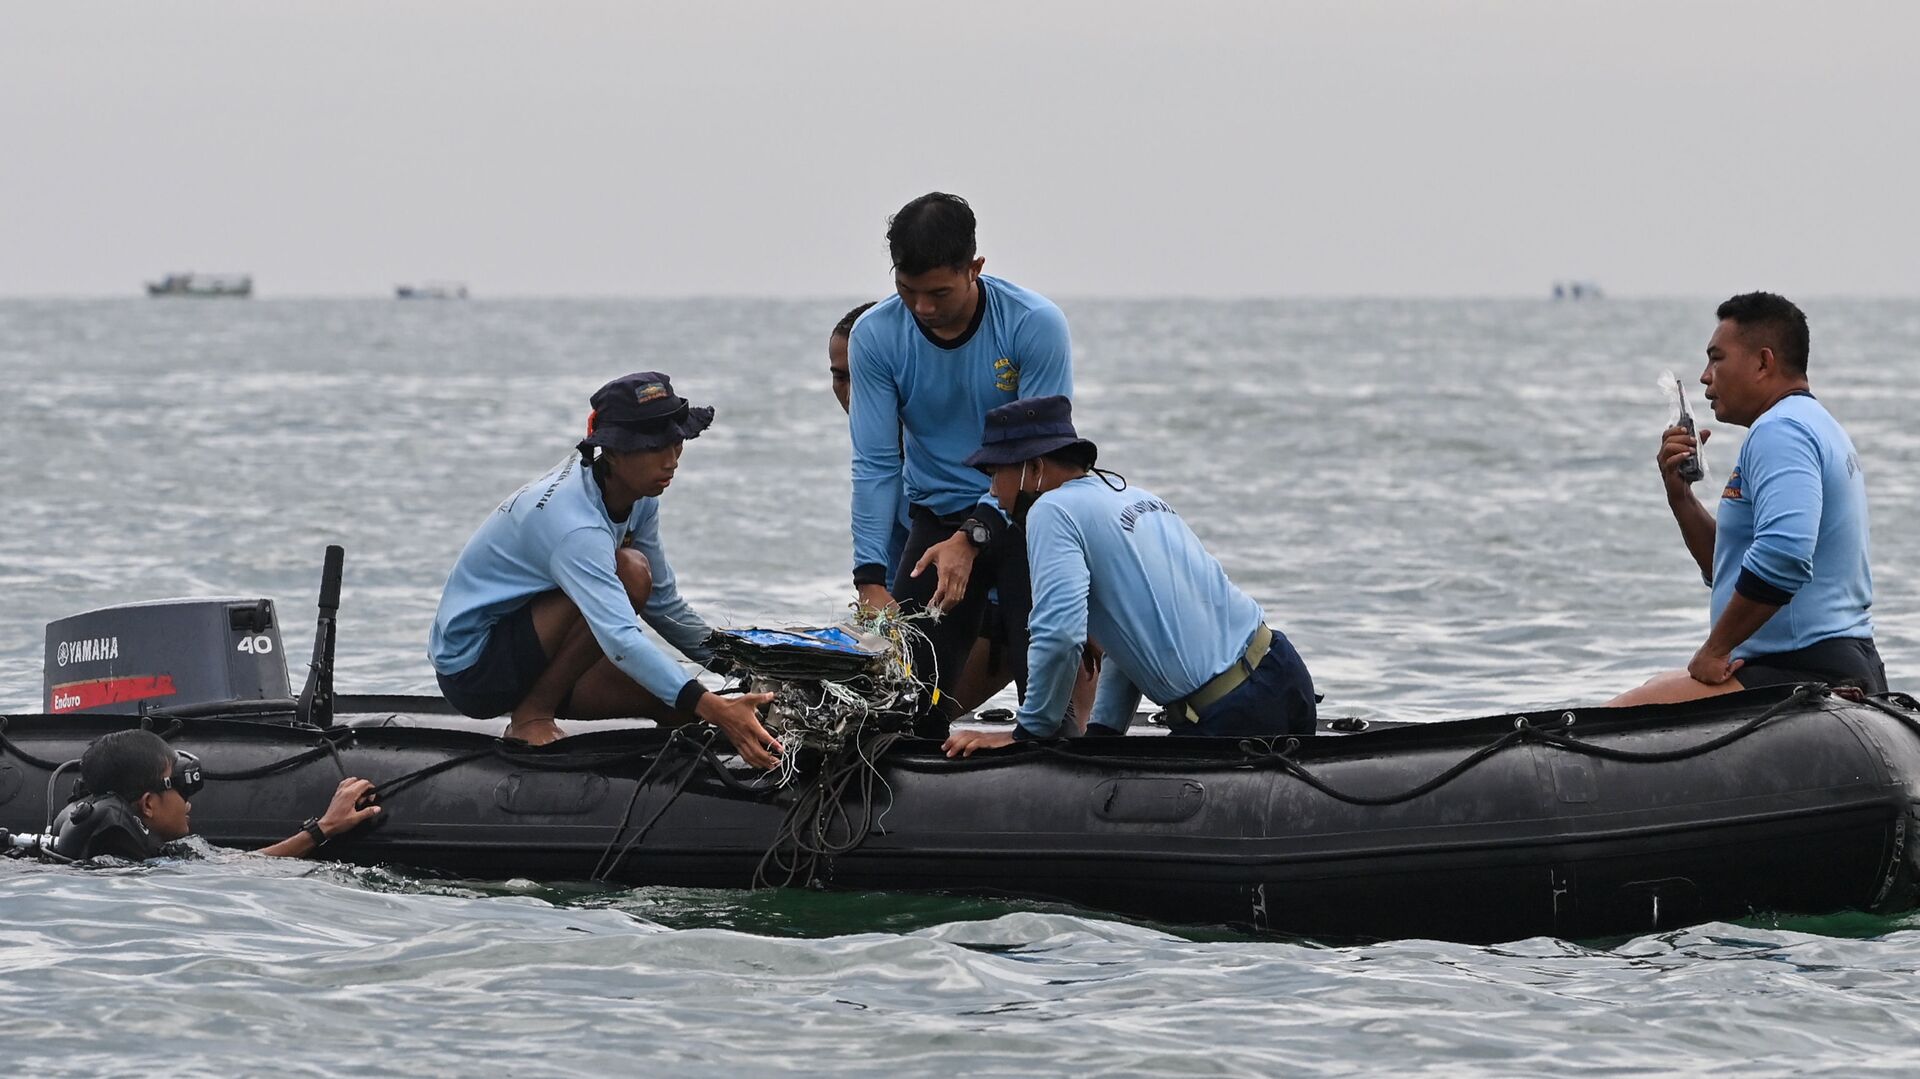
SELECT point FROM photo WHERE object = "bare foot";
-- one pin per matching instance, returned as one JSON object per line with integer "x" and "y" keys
{"x": 536, "y": 732}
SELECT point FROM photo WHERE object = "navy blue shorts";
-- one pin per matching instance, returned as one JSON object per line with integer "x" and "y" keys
{"x": 1276, "y": 699}
{"x": 1837, "y": 661}
{"x": 510, "y": 663}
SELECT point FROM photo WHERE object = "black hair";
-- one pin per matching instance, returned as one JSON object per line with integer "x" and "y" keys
{"x": 126, "y": 763}
{"x": 844, "y": 327}
{"x": 932, "y": 232}
{"x": 1782, "y": 324}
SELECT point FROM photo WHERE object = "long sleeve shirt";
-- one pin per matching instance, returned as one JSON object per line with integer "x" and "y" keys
{"x": 1791, "y": 530}
{"x": 918, "y": 404}
{"x": 1123, "y": 567}
{"x": 556, "y": 533}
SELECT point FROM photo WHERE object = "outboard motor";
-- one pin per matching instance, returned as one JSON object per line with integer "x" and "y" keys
{"x": 135, "y": 657}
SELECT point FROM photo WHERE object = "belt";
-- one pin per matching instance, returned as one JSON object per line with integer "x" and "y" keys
{"x": 1189, "y": 706}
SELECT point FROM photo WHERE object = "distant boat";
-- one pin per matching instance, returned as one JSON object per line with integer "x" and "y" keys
{"x": 1576, "y": 290}
{"x": 237, "y": 285}
{"x": 431, "y": 290}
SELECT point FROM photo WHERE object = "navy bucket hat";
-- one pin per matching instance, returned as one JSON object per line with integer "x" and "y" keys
{"x": 640, "y": 412}
{"x": 1024, "y": 429}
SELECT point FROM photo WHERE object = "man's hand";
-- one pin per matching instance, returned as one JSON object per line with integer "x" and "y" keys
{"x": 952, "y": 562}
{"x": 1676, "y": 446}
{"x": 963, "y": 743}
{"x": 345, "y": 812}
{"x": 1711, "y": 667}
{"x": 876, "y": 598}
{"x": 739, "y": 719}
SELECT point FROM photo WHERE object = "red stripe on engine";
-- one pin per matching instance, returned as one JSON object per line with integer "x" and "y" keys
{"x": 76, "y": 696}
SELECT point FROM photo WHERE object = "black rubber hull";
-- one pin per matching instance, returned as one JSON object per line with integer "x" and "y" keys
{"x": 1813, "y": 810}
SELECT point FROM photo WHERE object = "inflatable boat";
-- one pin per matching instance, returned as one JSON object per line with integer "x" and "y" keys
{"x": 1570, "y": 822}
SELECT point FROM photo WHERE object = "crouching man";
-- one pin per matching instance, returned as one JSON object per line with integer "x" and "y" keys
{"x": 136, "y": 803}
{"x": 1118, "y": 563}
{"x": 537, "y": 619}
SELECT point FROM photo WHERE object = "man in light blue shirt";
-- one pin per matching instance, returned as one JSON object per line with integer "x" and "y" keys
{"x": 537, "y": 619}
{"x": 837, "y": 344}
{"x": 1118, "y": 564}
{"x": 1786, "y": 553}
{"x": 930, "y": 361}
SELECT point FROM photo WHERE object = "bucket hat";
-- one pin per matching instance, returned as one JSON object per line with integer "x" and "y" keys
{"x": 1024, "y": 429}
{"x": 641, "y": 412}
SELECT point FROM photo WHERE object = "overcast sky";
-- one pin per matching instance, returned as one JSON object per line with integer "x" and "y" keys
{"x": 1110, "y": 147}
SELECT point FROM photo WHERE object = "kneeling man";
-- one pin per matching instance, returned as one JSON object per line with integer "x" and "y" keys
{"x": 1116, "y": 563}
{"x": 1787, "y": 555}
{"x": 537, "y": 619}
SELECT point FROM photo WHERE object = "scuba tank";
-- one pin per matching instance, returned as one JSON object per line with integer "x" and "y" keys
{"x": 103, "y": 825}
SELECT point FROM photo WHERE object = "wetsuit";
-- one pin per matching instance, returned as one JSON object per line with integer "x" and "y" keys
{"x": 1791, "y": 532}
{"x": 1123, "y": 567}
{"x": 906, "y": 382}
{"x": 555, "y": 533}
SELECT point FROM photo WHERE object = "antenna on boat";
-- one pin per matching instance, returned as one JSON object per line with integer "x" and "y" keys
{"x": 316, "y": 699}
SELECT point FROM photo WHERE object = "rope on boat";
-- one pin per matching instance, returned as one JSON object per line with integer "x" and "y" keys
{"x": 602, "y": 868}
{"x": 807, "y": 834}
{"x": 10, "y": 746}
{"x": 1524, "y": 731}
{"x": 1903, "y": 701}
{"x": 1278, "y": 753}
{"x": 328, "y": 746}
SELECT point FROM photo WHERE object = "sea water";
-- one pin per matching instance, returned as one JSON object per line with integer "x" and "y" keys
{"x": 1451, "y": 507}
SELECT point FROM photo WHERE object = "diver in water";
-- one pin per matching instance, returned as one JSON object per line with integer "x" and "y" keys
{"x": 932, "y": 359}
{"x": 1786, "y": 550}
{"x": 537, "y": 619}
{"x": 135, "y": 803}
{"x": 1118, "y": 563}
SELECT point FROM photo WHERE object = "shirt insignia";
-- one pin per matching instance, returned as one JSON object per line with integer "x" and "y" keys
{"x": 1732, "y": 489}
{"x": 1006, "y": 376}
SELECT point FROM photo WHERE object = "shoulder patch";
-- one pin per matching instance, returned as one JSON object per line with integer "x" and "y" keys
{"x": 1006, "y": 375}
{"x": 1732, "y": 489}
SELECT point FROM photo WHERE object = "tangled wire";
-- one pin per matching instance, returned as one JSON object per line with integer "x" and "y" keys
{"x": 842, "y": 696}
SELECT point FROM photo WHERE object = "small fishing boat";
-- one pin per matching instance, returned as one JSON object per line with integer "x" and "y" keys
{"x": 1570, "y": 822}
{"x": 431, "y": 290}
{"x": 202, "y": 285}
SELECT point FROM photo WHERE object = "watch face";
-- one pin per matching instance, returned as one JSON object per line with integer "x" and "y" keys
{"x": 978, "y": 533}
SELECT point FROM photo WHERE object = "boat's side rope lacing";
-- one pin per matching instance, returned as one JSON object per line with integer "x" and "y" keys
{"x": 1278, "y": 753}
{"x": 1899, "y": 706}
{"x": 603, "y": 869}
{"x": 1525, "y": 731}
{"x": 819, "y": 812}
{"x": 806, "y": 836}
{"x": 328, "y": 745}
{"x": 9, "y": 745}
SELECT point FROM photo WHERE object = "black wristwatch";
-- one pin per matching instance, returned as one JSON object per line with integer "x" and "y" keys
{"x": 313, "y": 829}
{"x": 977, "y": 532}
